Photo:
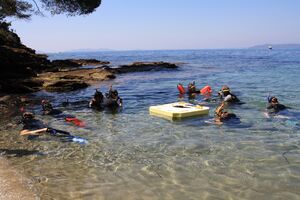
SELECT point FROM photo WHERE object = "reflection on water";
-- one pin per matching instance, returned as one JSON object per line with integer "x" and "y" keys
{"x": 132, "y": 155}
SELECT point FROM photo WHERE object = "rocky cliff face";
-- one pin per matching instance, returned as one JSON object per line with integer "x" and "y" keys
{"x": 18, "y": 63}
{"x": 17, "y": 60}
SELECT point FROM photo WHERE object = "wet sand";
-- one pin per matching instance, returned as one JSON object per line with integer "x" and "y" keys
{"x": 13, "y": 184}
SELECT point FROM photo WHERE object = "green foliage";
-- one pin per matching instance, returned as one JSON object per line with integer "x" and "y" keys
{"x": 15, "y": 8}
{"x": 23, "y": 9}
{"x": 71, "y": 7}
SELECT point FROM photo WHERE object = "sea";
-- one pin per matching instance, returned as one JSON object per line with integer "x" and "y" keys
{"x": 130, "y": 154}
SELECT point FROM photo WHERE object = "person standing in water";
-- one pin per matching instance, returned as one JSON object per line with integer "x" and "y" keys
{"x": 97, "y": 100}
{"x": 226, "y": 95}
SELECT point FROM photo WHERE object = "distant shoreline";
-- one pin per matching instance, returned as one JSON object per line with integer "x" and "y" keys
{"x": 276, "y": 46}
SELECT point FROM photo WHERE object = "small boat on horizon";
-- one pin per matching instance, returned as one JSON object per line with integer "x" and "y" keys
{"x": 270, "y": 47}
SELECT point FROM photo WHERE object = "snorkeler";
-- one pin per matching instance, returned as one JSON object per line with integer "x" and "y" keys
{"x": 192, "y": 87}
{"x": 110, "y": 100}
{"x": 227, "y": 96}
{"x": 32, "y": 126}
{"x": 48, "y": 108}
{"x": 274, "y": 106}
{"x": 221, "y": 115}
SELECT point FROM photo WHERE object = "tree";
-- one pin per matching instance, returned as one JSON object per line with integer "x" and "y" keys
{"x": 24, "y": 9}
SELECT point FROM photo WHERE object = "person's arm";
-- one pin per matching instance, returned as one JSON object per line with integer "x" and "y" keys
{"x": 35, "y": 132}
{"x": 220, "y": 108}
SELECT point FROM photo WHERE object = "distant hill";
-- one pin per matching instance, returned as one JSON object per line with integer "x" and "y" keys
{"x": 276, "y": 46}
{"x": 86, "y": 50}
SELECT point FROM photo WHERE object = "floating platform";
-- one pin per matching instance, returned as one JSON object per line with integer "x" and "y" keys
{"x": 178, "y": 110}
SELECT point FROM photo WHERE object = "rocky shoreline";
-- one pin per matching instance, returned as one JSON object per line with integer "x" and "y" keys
{"x": 23, "y": 71}
{"x": 67, "y": 75}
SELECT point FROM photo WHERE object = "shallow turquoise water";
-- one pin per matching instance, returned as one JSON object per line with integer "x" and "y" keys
{"x": 132, "y": 155}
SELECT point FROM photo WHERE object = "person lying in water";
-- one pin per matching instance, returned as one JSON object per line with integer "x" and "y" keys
{"x": 35, "y": 127}
{"x": 227, "y": 96}
{"x": 274, "y": 106}
{"x": 48, "y": 108}
{"x": 32, "y": 126}
{"x": 221, "y": 115}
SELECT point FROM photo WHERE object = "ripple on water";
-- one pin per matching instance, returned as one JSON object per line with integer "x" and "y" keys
{"x": 132, "y": 155}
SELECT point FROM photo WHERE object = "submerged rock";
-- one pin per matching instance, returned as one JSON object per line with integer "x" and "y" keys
{"x": 74, "y": 79}
{"x": 144, "y": 66}
{"x": 93, "y": 62}
{"x": 63, "y": 86}
{"x": 71, "y": 64}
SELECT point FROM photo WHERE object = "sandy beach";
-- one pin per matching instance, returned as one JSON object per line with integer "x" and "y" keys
{"x": 12, "y": 184}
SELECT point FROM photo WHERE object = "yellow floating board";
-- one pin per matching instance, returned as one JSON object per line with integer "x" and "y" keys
{"x": 178, "y": 110}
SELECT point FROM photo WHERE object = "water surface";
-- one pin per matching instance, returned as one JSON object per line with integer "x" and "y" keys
{"x": 132, "y": 155}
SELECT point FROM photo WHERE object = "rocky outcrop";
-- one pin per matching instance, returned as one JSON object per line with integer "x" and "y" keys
{"x": 144, "y": 66}
{"x": 69, "y": 64}
{"x": 18, "y": 61}
{"x": 64, "y": 86}
{"x": 21, "y": 62}
{"x": 16, "y": 86}
{"x": 93, "y": 62}
{"x": 24, "y": 71}
{"x": 73, "y": 79}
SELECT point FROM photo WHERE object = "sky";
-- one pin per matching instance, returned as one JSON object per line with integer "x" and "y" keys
{"x": 166, "y": 24}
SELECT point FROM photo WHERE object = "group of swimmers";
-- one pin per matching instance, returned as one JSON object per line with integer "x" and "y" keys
{"x": 111, "y": 99}
{"x": 227, "y": 98}
{"x": 34, "y": 127}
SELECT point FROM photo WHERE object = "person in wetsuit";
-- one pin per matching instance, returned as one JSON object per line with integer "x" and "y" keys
{"x": 274, "y": 106}
{"x": 97, "y": 100}
{"x": 32, "y": 126}
{"x": 48, "y": 108}
{"x": 221, "y": 115}
{"x": 112, "y": 98}
{"x": 192, "y": 87}
{"x": 227, "y": 96}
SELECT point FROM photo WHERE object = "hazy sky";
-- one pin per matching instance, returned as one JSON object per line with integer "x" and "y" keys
{"x": 167, "y": 24}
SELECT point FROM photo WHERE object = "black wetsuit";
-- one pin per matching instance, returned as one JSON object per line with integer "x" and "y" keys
{"x": 32, "y": 125}
{"x": 276, "y": 107}
{"x": 48, "y": 109}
